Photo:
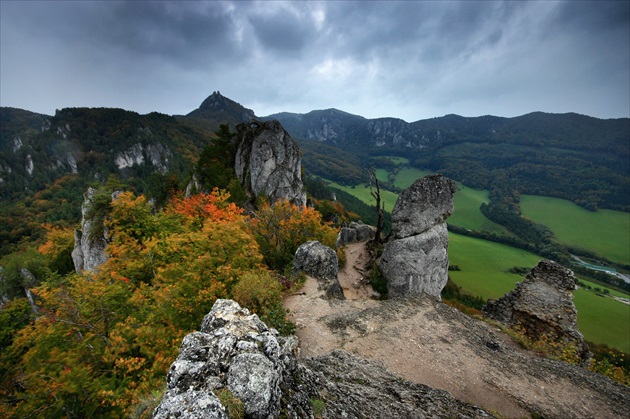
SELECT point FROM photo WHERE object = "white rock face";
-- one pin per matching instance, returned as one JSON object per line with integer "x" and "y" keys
{"x": 156, "y": 154}
{"x": 29, "y": 164}
{"x": 17, "y": 144}
{"x": 130, "y": 157}
{"x": 72, "y": 163}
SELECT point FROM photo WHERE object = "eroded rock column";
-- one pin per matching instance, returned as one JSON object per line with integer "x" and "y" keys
{"x": 415, "y": 259}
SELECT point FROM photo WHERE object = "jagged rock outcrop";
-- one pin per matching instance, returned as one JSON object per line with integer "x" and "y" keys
{"x": 542, "y": 305}
{"x": 415, "y": 260}
{"x": 268, "y": 162}
{"x": 89, "y": 242}
{"x": 235, "y": 351}
{"x": 320, "y": 262}
{"x": 355, "y": 232}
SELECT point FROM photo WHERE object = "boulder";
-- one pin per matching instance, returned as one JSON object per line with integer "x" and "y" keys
{"x": 354, "y": 233}
{"x": 320, "y": 262}
{"x": 268, "y": 162}
{"x": 234, "y": 350}
{"x": 415, "y": 259}
{"x": 89, "y": 247}
{"x": 542, "y": 305}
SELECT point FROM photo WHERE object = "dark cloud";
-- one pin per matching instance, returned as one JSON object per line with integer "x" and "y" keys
{"x": 396, "y": 58}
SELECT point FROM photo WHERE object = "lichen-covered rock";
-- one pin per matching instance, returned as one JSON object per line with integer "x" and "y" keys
{"x": 320, "y": 262}
{"x": 415, "y": 260}
{"x": 268, "y": 162}
{"x": 236, "y": 351}
{"x": 542, "y": 305}
{"x": 190, "y": 404}
{"x": 355, "y": 232}
{"x": 89, "y": 247}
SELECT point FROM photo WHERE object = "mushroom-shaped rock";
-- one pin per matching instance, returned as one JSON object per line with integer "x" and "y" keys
{"x": 415, "y": 260}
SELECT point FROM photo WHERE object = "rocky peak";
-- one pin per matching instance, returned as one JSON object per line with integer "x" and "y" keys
{"x": 542, "y": 305}
{"x": 268, "y": 162}
{"x": 218, "y": 105}
{"x": 89, "y": 242}
{"x": 415, "y": 260}
{"x": 234, "y": 351}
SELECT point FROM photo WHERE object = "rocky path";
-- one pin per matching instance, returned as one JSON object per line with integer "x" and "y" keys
{"x": 427, "y": 342}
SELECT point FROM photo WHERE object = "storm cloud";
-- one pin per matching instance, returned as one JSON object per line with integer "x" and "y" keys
{"x": 411, "y": 60}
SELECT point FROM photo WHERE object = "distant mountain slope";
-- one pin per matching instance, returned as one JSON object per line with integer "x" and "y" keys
{"x": 91, "y": 143}
{"x": 571, "y": 156}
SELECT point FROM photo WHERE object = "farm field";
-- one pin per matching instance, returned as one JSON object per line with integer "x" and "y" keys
{"x": 485, "y": 273}
{"x": 362, "y": 192}
{"x": 484, "y": 265}
{"x": 604, "y": 232}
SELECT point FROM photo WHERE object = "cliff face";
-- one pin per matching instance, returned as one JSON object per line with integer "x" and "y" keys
{"x": 268, "y": 162}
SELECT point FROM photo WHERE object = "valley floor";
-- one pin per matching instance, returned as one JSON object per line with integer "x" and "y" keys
{"x": 428, "y": 342}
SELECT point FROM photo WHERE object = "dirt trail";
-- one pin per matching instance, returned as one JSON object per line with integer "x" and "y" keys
{"x": 429, "y": 343}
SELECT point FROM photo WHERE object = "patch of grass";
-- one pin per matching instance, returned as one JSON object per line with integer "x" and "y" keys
{"x": 362, "y": 192}
{"x": 602, "y": 319}
{"x": 233, "y": 405}
{"x": 147, "y": 404}
{"x": 604, "y": 232}
{"x": 318, "y": 406}
{"x": 467, "y": 214}
{"x": 398, "y": 160}
{"x": 408, "y": 175}
{"x": 485, "y": 265}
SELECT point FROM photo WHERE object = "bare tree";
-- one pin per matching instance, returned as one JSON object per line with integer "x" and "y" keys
{"x": 380, "y": 206}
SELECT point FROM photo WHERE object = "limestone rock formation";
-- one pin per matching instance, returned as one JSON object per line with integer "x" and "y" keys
{"x": 320, "y": 262}
{"x": 236, "y": 351}
{"x": 415, "y": 260}
{"x": 268, "y": 162}
{"x": 355, "y": 232}
{"x": 542, "y": 305}
{"x": 89, "y": 247}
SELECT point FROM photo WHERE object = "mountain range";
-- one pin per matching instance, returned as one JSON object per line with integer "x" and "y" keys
{"x": 571, "y": 156}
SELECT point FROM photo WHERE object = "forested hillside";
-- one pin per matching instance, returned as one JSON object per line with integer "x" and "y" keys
{"x": 575, "y": 157}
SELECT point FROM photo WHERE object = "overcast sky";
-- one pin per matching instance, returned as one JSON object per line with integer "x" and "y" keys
{"x": 411, "y": 60}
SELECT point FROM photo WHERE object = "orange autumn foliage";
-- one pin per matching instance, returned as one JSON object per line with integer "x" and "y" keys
{"x": 213, "y": 206}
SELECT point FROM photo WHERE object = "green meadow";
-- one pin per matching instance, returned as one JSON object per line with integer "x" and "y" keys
{"x": 604, "y": 232}
{"x": 362, "y": 192}
{"x": 484, "y": 272}
{"x": 485, "y": 265}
